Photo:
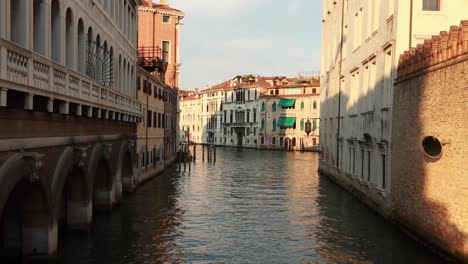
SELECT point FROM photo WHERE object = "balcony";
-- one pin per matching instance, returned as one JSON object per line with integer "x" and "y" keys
{"x": 28, "y": 72}
{"x": 153, "y": 60}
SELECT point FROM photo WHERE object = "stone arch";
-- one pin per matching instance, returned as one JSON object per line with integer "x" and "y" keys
{"x": 26, "y": 216}
{"x": 70, "y": 189}
{"x": 100, "y": 178}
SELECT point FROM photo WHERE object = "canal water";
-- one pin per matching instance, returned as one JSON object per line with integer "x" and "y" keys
{"x": 250, "y": 207}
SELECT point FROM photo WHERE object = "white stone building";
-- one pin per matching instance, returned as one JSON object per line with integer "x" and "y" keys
{"x": 78, "y": 55}
{"x": 240, "y": 113}
{"x": 362, "y": 41}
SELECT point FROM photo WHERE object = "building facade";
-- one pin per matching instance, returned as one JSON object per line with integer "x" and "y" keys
{"x": 430, "y": 127}
{"x": 360, "y": 40}
{"x": 68, "y": 110}
{"x": 158, "y": 36}
{"x": 287, "y": 112}
{"x": 230, "y": 113}
{"x": 158, "y": 47}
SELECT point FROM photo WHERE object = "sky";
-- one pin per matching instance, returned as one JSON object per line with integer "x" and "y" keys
{"x": 224, "y": 38}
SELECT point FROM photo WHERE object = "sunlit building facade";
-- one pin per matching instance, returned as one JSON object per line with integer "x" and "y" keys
{"x": 286, "y": 114}
{"x": 361, "y": 42}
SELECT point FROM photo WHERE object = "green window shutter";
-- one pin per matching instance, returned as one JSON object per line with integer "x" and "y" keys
{"x": 287, "y": 103}
{"x": 274, "y": 125}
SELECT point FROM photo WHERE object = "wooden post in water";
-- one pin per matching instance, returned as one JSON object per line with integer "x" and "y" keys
{"x": 194, "y": 153}
{"x": 214, "y": 156}
{"x": 179, "y": 158}
{"x": 203, "y": 153}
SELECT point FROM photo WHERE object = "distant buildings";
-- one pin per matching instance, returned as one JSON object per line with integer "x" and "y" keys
{"x": 235, "y": 113}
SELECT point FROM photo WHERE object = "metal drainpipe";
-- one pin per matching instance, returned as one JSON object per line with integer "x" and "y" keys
{"x": 339, "y": 87}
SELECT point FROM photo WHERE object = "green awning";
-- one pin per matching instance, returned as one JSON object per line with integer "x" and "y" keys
{"x": 287, "y": 122}
{"x": 287, "y": 103}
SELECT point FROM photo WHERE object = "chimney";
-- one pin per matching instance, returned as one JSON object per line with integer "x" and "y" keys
{"x": 164, "y": 2}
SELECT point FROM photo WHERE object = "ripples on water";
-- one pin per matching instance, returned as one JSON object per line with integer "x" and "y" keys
{"x": 249, "y": 207}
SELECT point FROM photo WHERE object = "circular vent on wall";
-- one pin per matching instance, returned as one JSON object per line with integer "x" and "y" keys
{"x": 432, "y": 147}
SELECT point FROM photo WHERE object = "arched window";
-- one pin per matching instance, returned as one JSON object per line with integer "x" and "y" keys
{"x": 97, "y": 62}
{"x": 302, "y": 125}
{"x": 111, "y": 67}
{"x": 81, "y": 56}
{"x": 55, "y": 33}
{"x": 69, "y": 38}
{"x": 273, "y": 107}
{"x": 39, "y": 24}
{"x": 105, "y": 64}
{"x": 89, "y": 50}
{"x": 302, "y": 105}
{"x": 120, "y": 70}
{"x": 274, "y": 125}
{"x": 263, "y": 106}
{"x": 315, "y": 105}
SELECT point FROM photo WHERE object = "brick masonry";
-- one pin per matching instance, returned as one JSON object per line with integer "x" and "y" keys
{"x": 430, "y": 195}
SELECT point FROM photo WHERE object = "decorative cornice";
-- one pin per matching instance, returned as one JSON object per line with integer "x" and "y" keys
{"x": 438, "y": 49}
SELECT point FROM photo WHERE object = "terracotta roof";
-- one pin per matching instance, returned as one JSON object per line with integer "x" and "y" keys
{"x": 160, "y": 9}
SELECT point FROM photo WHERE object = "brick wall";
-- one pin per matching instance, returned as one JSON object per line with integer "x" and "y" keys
{"x": 430, "y": 194}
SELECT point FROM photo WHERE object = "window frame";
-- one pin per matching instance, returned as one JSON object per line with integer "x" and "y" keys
{"x": 427, "y": 5}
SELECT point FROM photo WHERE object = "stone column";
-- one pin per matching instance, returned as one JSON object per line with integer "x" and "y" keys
{"x": 29, "y": 102}
{"x": 65, "y": 108}
{"x": 90, "y": 111}
{"x": 79, "y": 110}
{"x": 3, "y": 97}
{"x": 50, "y": 105}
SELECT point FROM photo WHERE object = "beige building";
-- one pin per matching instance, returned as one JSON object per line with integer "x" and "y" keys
{"x": 230, "y": 113}
{"x": 191, "y": 128}
{"x": 287, "y": 112}
{"x": 361, "y": 44}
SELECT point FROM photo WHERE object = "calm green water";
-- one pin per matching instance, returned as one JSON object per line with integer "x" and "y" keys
{"x": 250, "y": 207}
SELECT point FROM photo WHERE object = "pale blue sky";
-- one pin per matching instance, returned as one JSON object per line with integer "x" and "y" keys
{"x": 224, "y": 38}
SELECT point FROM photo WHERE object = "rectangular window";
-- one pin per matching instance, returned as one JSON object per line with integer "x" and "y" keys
{"x": 262, "y": 140}
{"x": 384, "y": 168}
{"x": 159, "y": 120}
{"x": 281, "y": 141}
{"x": 149, "y": 118}
{"x": 354, "y": 161}
{"x": 155, "y": 120}
{"x": 362, "y": 164}
{"x": 368, "y": 166}
{"x": 166, "y": 19}
{"x": 165, "y": 51}
{"x": 431, "y": 5}
{"x": 273, "y": 141}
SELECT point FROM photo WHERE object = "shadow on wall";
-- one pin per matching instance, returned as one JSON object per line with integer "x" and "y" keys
{"x": 429, "y": 185}
{"x": 428, "y": 194}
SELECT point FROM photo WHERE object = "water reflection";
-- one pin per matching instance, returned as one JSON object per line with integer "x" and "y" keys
{"x": 250, "y": 207}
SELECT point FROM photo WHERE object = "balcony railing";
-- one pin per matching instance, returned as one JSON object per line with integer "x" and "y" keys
{"x": 47, "y": 78}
